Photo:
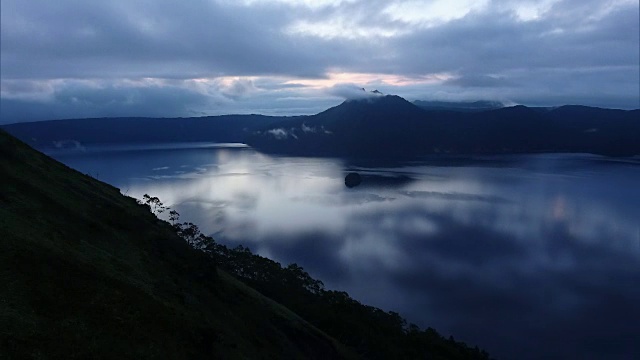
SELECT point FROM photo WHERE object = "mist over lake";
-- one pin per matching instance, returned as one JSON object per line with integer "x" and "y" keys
{"x": 532, "y": 256}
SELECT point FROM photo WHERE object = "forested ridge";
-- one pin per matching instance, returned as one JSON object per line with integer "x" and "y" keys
{"x": 372, "y": 332}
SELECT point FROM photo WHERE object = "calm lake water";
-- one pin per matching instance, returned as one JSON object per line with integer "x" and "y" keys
{"x": 527, "y": 256}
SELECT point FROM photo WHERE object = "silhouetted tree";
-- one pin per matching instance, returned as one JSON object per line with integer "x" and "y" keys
{"x": 174, "y": 217}
{"x": 157, "y": 207}
{"x": 370, "y": 331}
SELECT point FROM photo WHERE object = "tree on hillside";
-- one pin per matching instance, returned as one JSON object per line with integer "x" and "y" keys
{"x": 369, "y": 331}
{"x": 156, "y": 206}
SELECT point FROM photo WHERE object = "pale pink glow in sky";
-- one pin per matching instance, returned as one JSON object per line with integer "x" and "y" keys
{"x": 331, "y": 79}
{"x": 361, "y": 79}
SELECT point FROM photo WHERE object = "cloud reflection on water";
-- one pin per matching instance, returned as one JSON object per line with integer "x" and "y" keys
{"x": 531, "y": 257}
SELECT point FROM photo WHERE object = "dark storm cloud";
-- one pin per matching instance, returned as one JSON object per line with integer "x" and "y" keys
{"x": 203, "y": 38}
{"x": 567, "y": 49}
{"x": 165, "y": 39}
{"x": 589, "y": 47}
{"x": 497, "y": 41}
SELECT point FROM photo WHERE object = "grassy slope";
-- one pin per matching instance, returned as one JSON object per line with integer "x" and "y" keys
{"x": 88, "y": 273}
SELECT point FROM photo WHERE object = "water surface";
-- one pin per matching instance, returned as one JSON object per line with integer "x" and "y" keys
{"x": 532, "y": 256}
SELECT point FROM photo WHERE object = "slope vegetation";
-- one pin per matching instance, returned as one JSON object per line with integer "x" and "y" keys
{"x": 89, "y": 273}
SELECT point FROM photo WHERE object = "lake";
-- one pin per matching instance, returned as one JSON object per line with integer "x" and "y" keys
{"x": 529, "y": 257}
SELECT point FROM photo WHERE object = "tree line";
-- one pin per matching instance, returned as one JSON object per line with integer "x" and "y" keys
{"x": 371, "y": 332}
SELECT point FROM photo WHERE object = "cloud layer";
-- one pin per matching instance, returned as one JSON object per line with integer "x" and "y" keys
{"x": 282, "y": 56}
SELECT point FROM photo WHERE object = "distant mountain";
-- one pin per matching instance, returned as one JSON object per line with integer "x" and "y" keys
{"x": 481, "y": 105}
{"x": 55, "y": 133}
{"x": 372, "y": 126}
{"x": 363, "y": 127}
{"x": 390, "y": 126}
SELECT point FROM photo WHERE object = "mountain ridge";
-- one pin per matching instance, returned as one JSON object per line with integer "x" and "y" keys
{"x": 479, "y": 105}
{"x": 385, "y": 127}
{"x": 372, "y": 126}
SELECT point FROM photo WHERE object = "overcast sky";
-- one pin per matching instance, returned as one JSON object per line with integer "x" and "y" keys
{"x": 78, "y": 58}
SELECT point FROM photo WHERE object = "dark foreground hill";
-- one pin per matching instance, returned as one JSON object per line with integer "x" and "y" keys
{"x": 89, "y": 273}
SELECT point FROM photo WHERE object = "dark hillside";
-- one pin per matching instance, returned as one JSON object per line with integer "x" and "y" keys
{"x": 389, "y": 126}
{"x": 89, "y": 273}
{"x": 225, "y": 128}
{"x": 605, "y": 131}
{"x": 459, "y": 106}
